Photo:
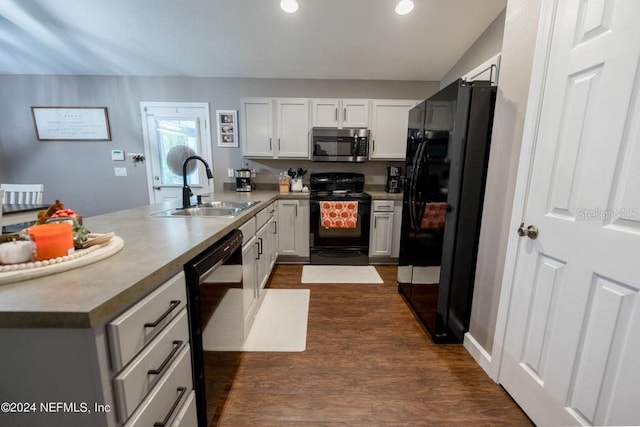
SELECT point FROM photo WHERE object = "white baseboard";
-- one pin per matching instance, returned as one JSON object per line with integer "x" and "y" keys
{"x": 479, "y": 354}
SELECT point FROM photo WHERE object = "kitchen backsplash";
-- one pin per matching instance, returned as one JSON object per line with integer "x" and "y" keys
{"x": 267, "y": 171}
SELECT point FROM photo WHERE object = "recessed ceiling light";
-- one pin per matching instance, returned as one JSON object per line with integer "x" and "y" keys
{"x": 289, "y": 6}
{"x": 403, "y": 7}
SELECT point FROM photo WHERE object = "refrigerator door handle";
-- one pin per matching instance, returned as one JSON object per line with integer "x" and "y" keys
{"x": 412, "y": 185}
{"x": 415, "y": 217}
{"x": 422, "y": 202}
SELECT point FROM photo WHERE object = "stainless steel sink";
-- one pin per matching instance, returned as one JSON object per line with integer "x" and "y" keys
{"x": 217, "y": 208}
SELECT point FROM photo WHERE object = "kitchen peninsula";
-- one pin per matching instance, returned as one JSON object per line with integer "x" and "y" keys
{"x": 54, "y": 329}
{"x": 66, "y": 337}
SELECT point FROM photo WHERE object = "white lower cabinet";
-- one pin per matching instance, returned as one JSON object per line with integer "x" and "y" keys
{"x": 138, "y": 378}
{"x": 381, "y": 230}
{"x": 293, "y": 238}
{"x": 135, "y": 328}
{"x": 188, "y": 415}
{"x": 397, "y": 229}
{"x": 168, "y": 397}
{"x": 273, "y": 234}
{"x": 259, "y": 251}
{"x": 151, "y": 357}
{"x": 384, "y": 237}
{"x": 264, "y": 260}
{"x": 249, "y": 282}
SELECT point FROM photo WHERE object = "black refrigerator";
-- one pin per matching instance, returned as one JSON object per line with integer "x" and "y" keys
{"x": 446, "y": 167}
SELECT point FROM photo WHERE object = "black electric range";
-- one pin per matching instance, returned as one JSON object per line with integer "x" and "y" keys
{"x": 339, "y": 243}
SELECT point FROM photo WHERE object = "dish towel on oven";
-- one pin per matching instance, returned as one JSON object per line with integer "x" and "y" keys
{"x": 434, "y": 215}
{"x": 339, "y": 214}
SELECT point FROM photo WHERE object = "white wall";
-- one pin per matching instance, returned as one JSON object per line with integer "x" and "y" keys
{"x": 81, "y": 173}
{"x": 520, "y": 29}
{"x": 486, "y": 46}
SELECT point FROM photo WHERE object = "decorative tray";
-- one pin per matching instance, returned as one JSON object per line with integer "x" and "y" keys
{"x": 96, "y": 248}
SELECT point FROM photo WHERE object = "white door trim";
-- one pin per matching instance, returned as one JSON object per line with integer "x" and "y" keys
{"x": 533, "y": 112}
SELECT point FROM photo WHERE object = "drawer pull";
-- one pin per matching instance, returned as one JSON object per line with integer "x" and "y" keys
{"x": 177, "y": 344}
{"x": 173, "y": 305}
{"x": 181, "y": 391}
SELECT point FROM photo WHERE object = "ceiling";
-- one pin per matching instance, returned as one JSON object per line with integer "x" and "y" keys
{"x": 325, "y": 39}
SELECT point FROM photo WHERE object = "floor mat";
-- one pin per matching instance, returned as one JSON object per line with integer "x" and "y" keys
{"x": 340, "y": 274}
{"x": 280, "y": 324}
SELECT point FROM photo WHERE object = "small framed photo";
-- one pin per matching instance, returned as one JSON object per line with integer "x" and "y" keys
{"x": 227, "y": 128}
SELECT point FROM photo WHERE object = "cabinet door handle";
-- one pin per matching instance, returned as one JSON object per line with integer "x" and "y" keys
{"x": 258, "y": 257}
{"x": 270, "y": 146}
{"x": 375, "y": 222}
{"x": 374, "y": 146}
{"x": 260, "y": 246}
{"x": 176, "y": 346}
{"x": 336, "y": 114}
{"x": 296, "y": 206}
{"x": 279, "y": 145}
{"x": 172, "y": 306}
{"x": 181, "y": 391}
{"x": 275, "y": 227}
{"x": 344, "y": 116}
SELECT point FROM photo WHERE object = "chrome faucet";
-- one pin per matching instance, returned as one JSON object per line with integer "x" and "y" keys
{"x": 186, "y": 190}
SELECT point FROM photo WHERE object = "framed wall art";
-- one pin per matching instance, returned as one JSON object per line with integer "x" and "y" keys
{"x": 227, "y": 128}
{"x": 71, "y": 123}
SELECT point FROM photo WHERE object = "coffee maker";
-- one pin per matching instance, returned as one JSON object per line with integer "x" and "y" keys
{"x": 393, "y": 179}
{"x": 243, "y": 180}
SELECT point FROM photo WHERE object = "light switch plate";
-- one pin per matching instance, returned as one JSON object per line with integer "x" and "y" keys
{"x": 120, "y": 171}
{"x": 230, "y": 173}
{"x": 117, "y": 155}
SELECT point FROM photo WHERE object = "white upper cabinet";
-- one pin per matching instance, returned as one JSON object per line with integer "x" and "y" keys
{"x": 355, "y": 113}
{"x": 389, "y": 122}
{"x": 256, "y": 127}
{"x": 340, "y": 113}
{"x": 273, "y": 128}
{"x": 325, "y": 112}
{"x": 292, "y": 116}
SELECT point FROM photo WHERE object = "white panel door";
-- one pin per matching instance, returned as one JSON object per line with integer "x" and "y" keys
{"x": 293, "y": 127}
{"x": 173, "y": 131}
{"x": 572, "y": 342}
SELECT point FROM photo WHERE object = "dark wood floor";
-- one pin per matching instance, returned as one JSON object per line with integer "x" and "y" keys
{"x": 367, "y": 362}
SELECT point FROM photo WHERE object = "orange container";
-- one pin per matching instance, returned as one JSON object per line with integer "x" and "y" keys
{"x": 52, "y": 240}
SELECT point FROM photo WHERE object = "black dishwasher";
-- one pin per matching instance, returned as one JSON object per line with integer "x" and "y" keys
{"x": 225, "y": 255}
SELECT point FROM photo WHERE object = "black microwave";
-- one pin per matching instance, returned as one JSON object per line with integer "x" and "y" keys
{"x": 339, "y": 145}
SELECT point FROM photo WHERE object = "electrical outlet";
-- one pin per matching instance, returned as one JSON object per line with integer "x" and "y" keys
{"x": 230, "y": 173}
{"x": 120, "y": 171}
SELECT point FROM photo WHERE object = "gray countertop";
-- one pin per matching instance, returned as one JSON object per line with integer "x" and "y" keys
{"x": 155, "y": 249}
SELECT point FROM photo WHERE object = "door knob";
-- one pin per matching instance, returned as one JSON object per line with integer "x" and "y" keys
{"x": 531, "y": 231}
